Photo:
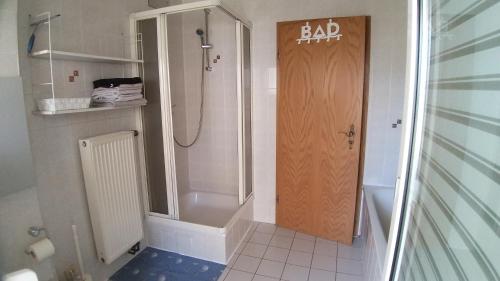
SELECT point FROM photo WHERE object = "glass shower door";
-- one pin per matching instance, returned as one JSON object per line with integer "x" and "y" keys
{"x": 246, "y": 114}
{"x": 152, "y": 118}
{"x": 451, "y": 214}
{"x": 202, "y": 82}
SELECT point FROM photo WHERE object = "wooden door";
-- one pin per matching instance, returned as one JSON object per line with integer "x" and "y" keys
{"x": 320, "y": 94}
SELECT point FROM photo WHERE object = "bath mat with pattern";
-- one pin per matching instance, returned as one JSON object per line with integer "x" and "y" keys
{"x": 157, "y": 265}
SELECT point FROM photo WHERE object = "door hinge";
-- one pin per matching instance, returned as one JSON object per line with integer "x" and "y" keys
{"x": 277, "y": 199}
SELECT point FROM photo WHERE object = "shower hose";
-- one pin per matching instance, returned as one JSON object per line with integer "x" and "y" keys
{"x": 202, "y": 94}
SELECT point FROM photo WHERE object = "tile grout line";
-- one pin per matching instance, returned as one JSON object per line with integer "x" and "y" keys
{"x": 293, "y": 237}
{"x": 312, "y": 257}
{"x": 239, "y": 254}
{"x": 337, "y": 260}
{"x": 261, "y": 259}
{"x": 287, "y": 255}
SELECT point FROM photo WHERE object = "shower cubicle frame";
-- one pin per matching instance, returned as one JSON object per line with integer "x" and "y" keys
{"x": 167, "y": 127}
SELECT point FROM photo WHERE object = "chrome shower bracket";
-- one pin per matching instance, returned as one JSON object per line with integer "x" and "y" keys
{"x": 207, "y": 46}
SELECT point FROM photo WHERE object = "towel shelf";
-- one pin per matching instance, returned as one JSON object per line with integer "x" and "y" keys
{"x": 61, "y": 55}
{"x": 90, "y": 109}
{"x": 50, "y": 54}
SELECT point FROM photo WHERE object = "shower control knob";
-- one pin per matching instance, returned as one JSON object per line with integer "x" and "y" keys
{"x": 218, "y": 57}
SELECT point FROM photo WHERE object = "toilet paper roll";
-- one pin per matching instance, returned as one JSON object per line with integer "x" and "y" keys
{"x": 41, "y": 250}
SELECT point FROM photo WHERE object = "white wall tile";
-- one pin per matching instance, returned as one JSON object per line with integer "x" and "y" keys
{"x": 84, "y": 26}
{"x": 212, "y": 163}
{"x": 18, "y": 212}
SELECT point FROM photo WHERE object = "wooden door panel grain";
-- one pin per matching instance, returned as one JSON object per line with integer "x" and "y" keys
{"x": 320, "y": 92}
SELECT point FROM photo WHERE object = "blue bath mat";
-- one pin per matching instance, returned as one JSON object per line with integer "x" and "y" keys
{"x": 157, "y": 265}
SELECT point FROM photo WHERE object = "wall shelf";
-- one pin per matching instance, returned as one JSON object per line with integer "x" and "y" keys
{"x": 61, "y": 55}
{"x": 50, "y": 55}
{"x": 90, "y": 109}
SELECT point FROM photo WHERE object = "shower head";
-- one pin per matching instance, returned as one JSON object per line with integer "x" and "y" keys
{"x": 204, "y": 45}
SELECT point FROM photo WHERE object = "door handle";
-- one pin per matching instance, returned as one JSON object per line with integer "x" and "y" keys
{"x": 350, "y": 135}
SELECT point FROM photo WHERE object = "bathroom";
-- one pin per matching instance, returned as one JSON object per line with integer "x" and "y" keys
{"x": 231, "y": 189}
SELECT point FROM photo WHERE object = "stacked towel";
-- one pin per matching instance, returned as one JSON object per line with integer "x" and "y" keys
{"x": 115, "y": 82}
{"x": 117, "y": 91}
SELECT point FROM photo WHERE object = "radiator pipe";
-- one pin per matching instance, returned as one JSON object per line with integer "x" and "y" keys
{"x": 83, "y": 275}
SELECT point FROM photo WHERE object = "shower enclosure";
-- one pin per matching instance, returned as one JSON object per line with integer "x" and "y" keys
{"x": 196, "y": 127}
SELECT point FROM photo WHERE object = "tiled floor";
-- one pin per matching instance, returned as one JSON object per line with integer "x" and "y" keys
{"x": 272, "y": 253}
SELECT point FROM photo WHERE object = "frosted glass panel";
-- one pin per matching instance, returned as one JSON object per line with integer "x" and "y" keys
{"x": 202, "y": 82}
{"x": 152, "y": 118}
{"x": 452, "y": 216}
{"x": 247, "y": 104}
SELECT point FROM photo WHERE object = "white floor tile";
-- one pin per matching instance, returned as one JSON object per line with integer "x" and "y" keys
{"x": 324, "y": 262}
{"x": 325, "y": 247}
{"x": 248, "y": 235}
{"x": 224, "y": 274}
{"x": 299, "y": 258}
{"x": 241, "y": 247}
{"x": 281, "y": 242}
{"x": 266, "y": 228}
{"x": 261, "y": 238}
{"x": 349, "y": 252}
{"x": 254, "y": 250}
{"x": 232, "y": 260}
{"x": 236, "y": 275}
{"x": 349, "y": 266}
{"x": 321, "y": 275}
{"x": 247, "y": 264}
{"x": 325, "y": 241}
{"x": 358, "y": 242}
{"x": 304, "y": 236}
{"x": 263, "y": 278}
{"x": 271, "y": 268}
{"x": 276, "y": 254}
{"x": 303, "y": 245}
{"x": 281, "y": 231}
{"x": 295, "y": 273}
{"x": 347, "y": 277}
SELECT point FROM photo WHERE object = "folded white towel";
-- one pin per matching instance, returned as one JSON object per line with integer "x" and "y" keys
{"x": 124, "y": 92}
{"x": 121, "y": 103}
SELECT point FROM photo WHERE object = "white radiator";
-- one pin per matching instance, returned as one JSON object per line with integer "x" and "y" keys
{"x": 110, "y": 170}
